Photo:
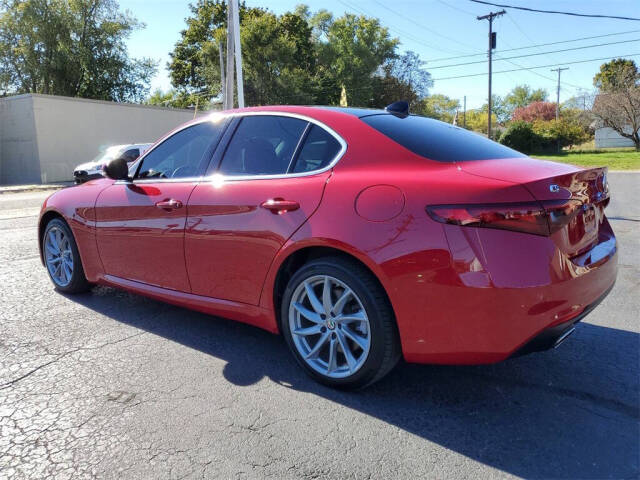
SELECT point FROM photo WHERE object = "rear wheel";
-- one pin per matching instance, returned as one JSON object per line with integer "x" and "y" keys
{"x": 339, "y": 324}
{"x": 62, "y": 259}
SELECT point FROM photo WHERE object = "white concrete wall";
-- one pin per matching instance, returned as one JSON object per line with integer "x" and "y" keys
{"x": 608, "y": 138}
{"x": 43, "y": 137}
{"x": 18, "y": 144}
{"x": 71, "y": 131}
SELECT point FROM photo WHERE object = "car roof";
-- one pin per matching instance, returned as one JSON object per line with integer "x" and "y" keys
{"x": 302, "y": 110}
{"x": 357, "y": 111}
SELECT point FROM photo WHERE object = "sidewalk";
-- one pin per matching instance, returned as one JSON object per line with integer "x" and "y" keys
{"x": 33, "y": 188}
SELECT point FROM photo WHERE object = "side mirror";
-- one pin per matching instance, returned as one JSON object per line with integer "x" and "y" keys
{"x": 117, "y": 169}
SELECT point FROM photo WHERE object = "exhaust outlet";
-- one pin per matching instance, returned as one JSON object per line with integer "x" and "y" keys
{"x": 563, "y": 337}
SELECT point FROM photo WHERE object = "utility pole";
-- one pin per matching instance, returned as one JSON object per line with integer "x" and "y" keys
{"x": 464, "y": 113}
{"x": 558, "y": 91}
{"x": 238, "y": 50}
{"x": 228, "y": 94}
{"x": 223, "y": 83}
{"x": 492, "y": 45}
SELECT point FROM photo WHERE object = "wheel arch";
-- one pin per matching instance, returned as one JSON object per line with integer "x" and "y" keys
{"x": 42, "y": 224}
{"x": 295, "y": 258}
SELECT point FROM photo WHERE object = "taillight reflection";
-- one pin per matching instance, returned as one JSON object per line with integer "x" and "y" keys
{"x": 538, "y": 218}
{"x": 519, "y": 217}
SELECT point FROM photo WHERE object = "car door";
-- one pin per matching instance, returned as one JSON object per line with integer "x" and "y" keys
{"x": 269, "y": 180}
{"x": 140, "y": 223}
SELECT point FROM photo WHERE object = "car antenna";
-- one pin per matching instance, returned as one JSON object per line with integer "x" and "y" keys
{"x": 399, "y": 108}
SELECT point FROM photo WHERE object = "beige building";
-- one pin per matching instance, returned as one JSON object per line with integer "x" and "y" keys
{"x": 43, "y": 137}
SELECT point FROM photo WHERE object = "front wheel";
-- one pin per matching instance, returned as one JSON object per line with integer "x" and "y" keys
{"x": 62, "y": 259}
{"x": 339, "y": 324}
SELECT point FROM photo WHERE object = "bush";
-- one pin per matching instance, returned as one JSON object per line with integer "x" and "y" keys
{"x": 543, "y": 136}
{"x": 521, "y": 136}
{"x": 560, "y": 132}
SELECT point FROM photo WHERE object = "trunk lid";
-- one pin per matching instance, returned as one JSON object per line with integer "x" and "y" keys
{"x": 574, "y": 198}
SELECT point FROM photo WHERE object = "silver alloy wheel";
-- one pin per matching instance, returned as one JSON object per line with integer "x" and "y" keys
{"x": 329, "y": 326}
{"x": 58, "y": 256}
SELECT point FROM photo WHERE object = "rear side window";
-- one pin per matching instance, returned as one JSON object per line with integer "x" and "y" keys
{"x": 262, "y": 145}
{"x": 319, "y": 149}
{"x": 436, "y": 140}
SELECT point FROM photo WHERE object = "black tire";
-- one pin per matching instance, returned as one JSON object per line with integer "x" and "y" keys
{"x": 78, "y": 282}
{"x": 384, "y": 348}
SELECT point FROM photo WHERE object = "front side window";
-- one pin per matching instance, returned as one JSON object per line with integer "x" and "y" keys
{"x": 184, "y": 154}
{"x": 262, "y": 145}
{"x": 318, "y": 151}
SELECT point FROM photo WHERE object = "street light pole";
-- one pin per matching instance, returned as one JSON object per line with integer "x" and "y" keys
{"x": 492, "y": 45}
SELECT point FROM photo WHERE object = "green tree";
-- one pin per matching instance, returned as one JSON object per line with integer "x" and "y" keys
{"x": 356, "y": 47}
{"x": 278, "y": 59}
{"x": 194, "y": 62}
{"x": 403, "y": 78}
{"x": 617, "y": 75}
{"x": 477, "y": 120}
{"x": 72, "y": 48}
{"x": 178, "y": 99}
{"x": 440, "y": 107}
{"x": 520, "y": 96}
{"x": 277, "y": 52}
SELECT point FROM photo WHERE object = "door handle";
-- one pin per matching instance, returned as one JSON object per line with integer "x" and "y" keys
{"x": 169, "y": 204}
{"x": 278, "y": 206}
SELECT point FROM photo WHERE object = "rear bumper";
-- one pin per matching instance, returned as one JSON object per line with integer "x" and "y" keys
{"x": 498, "y": 293}
{"x": 552, "y": 337}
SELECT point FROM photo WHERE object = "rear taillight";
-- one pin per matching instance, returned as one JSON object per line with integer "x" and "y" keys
{"x": 538, "y": 218}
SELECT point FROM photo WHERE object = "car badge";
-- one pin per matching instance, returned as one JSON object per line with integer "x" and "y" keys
{"x": 553, "y": 188}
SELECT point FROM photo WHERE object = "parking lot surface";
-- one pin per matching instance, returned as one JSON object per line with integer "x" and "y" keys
{"x": 113, "y": 385}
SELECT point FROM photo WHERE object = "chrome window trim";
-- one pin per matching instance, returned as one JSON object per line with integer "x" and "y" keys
{"x": 218, "y": 177}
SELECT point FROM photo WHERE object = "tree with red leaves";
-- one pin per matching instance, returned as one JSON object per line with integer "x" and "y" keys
{"x": 535, "y": 111}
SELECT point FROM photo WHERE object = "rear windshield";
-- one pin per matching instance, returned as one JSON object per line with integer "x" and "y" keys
{"x": 437, "y": 140}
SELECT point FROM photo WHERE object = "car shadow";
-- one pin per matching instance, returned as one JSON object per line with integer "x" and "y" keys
{"x": 568, "y": 413}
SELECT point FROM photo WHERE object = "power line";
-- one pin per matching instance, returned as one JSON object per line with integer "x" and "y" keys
{"x": 524, "y": 34}
{"x": 534, "y": 46}
{"x": 540, "y": 53}
{"x": 531, "y": 70}
{"x": 539, "y": 66}
{"x": 573, "y": 14}
{"x": 456, "y": 8}
{"x": 411, "y": 20}
{"x": 397, "y": 30}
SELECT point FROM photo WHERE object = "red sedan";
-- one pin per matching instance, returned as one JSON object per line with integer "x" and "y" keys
{"x": 360, "y": 235}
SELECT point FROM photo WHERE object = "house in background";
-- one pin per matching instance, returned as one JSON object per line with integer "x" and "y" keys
{"x": 43, "y": 137}
{"x": 607, "y": 137}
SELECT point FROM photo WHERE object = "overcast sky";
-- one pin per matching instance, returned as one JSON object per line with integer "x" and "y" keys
{"x": 438, "y": 29}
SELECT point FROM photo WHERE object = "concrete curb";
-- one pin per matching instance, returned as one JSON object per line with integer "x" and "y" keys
{"x": 33, "y": 188}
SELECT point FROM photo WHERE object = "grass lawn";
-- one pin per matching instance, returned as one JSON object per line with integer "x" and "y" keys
{"x": 615, "y": 159}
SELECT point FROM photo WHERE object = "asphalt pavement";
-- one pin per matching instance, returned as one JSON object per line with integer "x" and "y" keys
{"x": 113, "y": 385}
